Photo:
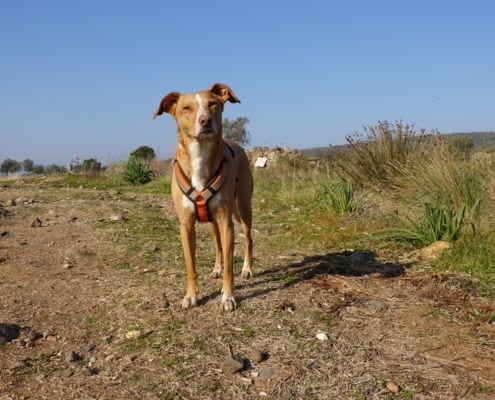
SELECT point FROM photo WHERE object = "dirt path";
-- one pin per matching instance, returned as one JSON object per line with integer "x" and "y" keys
{"x": 78, "y": 283}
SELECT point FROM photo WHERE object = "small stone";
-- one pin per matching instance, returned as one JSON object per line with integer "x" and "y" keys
{"x": 392, "y": 386}
{"x": 256, "y": 356}
{"x": 9, "y": 331}
{"x": 74, "y": 357}
{"x": 3, "y": 233}
{"x": 165, "y": 302}
{"x": 109, "y": 358}
{"x": 36, "y": 223}
{"x": 434, "y": 250}
{"x": 33, "y": 335}
{"x": 151, "y": 248}
{"x": 47, "y": 333}
{"x": 117, "y": 217}
{"x": 40, "y": 377}
{"x": 128, "y": 358}
{"x": 67, "y": 264}
{"x": 267, "y": 372}
{"x": 19, "y": 365}
{"x": 90, "y": 346}
{"x": 51, "y": 338}
{"x": 107, "y": 338}
{"x": 68, "y": 373}
{"x": 255, "y": 374}
{"x": 231, "y": 365}
{"x": 133, "y": 335}
{"x": 11, "y": 203}
{"x": 92, "y": 360}
{"x": 322, "y": 336}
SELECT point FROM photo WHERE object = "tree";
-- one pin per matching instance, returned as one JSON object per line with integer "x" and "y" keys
{"x": 27, "y": 165}
{"x": 55, "y": 169}
{"x": 9, "y": 166}
{"x": 144, "y": 152}
{"x": 236, "y": 131}
{"x": 91, "y": 166}
{"x": 38, "y": 169}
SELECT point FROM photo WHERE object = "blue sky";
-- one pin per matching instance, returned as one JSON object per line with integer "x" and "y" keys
{"x": 82, "y": 78}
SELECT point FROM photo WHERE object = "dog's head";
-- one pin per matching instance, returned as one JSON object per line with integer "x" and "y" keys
{"x": 198, "y": 115}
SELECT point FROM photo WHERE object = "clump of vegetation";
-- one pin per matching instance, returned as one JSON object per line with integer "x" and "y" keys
{"x": 374, "y": 158}
{"x": 137, "y": 171}
{"x": 438, "y": 222}
{"x": 236, "y": 130}
{"x": 144, "y": 152}
{"x": 339, "y": 196}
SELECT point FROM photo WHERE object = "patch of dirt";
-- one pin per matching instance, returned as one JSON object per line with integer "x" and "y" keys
{"x": 88, "y": 294}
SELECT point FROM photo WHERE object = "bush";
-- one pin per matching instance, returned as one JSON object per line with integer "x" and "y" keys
{"x": 91, "y": 166}
{"x": 10, "y": 166}
{"x": 137, "y": 171}
{"x": 55, "y": 169}
{"x": 38, "y": 169}
{"x": 236, "y": 131}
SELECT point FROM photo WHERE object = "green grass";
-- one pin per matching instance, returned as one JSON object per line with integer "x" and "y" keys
{"x": 474, "y": 255}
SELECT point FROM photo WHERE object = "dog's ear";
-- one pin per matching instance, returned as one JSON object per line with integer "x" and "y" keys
{"x": 168, "y": 104}
{"x": 224, "y": 92}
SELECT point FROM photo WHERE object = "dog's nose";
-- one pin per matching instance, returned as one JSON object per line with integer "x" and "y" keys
{"x": 205, "y": 121}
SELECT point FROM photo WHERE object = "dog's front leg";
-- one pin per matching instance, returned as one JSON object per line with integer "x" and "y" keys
{"x": 188, "y": 238}
{"x": 227, "y": 238}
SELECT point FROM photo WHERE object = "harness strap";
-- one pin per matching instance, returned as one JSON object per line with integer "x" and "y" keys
{"x": 200, "y": 198}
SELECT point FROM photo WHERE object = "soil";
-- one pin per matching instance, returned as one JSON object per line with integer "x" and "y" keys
{"x": 94, "y": 280}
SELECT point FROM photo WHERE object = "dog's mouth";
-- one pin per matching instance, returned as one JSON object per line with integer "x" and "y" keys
{"x": 205, "y": 133}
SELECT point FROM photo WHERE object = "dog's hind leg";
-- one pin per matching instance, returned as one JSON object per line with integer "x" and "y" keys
{"x": 217, "y": 271}
{"x": 245, "y": 215}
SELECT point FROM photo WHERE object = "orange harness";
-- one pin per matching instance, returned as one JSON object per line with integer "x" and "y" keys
{"x": 200, "y": 198}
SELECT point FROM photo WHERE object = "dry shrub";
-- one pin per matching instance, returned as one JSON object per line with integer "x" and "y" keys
{"x": 374, "y": 158}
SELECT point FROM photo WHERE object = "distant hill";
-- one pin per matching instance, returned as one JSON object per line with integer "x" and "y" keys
{"x": 480, "y": 139}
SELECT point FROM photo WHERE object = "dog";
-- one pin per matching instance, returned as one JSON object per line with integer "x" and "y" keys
{"x": 212, "y": 181}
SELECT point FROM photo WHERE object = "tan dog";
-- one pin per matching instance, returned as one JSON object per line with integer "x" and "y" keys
{"x": 212, "y": 181}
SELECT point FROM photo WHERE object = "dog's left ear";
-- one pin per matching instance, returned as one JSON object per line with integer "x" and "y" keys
{"x": 224, "y": 92}
{"x": 167, "y": 104}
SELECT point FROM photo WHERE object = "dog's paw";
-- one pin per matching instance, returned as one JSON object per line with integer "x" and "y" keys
{"x": 189, "y": 302}
{"x": 228, "y": 303}
{"x": 215, "y": 274}
{"x": 246, "y": 273}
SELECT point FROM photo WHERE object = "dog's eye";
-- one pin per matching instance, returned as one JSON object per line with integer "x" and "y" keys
{"x": 186, "y": 108}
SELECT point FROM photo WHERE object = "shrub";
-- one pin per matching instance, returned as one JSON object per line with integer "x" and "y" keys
{"x": 10, "y": 166}
{"x": 137, "y": 171}
{"x": 236, "y": 131}
{"x": 373, "y": 158}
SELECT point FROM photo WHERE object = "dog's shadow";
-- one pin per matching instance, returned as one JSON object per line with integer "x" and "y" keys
{"x": 345, "y": 263}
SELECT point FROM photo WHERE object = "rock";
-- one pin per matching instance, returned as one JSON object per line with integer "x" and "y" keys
{"x": 132, "y": 335}
{"x": 151, "y": 248}
{"x": 107, "y": 338}
{"x": 74, "y": 357}
{"x": 48, "y": 333}
{"x": 3, "y": 233}
{"x": 255, "y": 374}
{"x": 11, "y": 203}
{"x": 36, "y": 223}
{"x": 109, "y": 358}
{"x": 322, "y": 336}
{"x": 67, "y": 264}
{"x": 33, "y": 335}
{"x": 392, "y": 387}
{"x": 256, "y": 356}
{"x": 231, "y": 365}
{"x": 117, "y": 217}
{"x": 51, "y": 338}
{"x": 9, "y": 331}
{"x": 92, "y": 360}
{"x": 434, "y": 250}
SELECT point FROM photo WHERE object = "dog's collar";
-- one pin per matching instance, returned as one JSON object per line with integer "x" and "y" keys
{"x": 200, "y": 198}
